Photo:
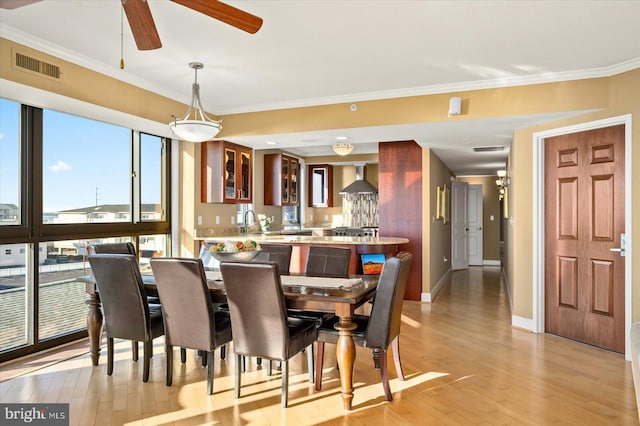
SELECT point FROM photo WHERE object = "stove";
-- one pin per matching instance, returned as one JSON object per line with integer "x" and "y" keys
{"x": 344, "y": 231}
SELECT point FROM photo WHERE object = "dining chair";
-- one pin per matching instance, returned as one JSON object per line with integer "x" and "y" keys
{"x": 127, "y": 314}
{"x": 279, "y": 253}
{"x": 190, "y": 320}
{"x": 323, "y": 261}
{"x": 121, "y": 248}
{"x": 381, "y": 328}
{"x": 261, "y": 327}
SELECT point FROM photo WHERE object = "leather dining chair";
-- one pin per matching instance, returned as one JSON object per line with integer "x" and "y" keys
{"x": 382, "y": 327}
{"x": 331, "y": 262}
{"x": 261, "y": 327}
{"x": 127, "y": 314}
{"x": 190, "y": 320}
{"x": 121, "y": 248}
{"x": 278, "y": 253}
{"x": 325, "y": 261}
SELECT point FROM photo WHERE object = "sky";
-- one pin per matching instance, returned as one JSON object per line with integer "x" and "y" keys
{"x": 85, "y": 162}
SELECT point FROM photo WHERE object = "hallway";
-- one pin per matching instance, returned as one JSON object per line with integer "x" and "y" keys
{"x": 463, "y": 362}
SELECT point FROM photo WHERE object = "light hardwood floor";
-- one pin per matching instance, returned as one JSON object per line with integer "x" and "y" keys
{"x": 464, "y": 364}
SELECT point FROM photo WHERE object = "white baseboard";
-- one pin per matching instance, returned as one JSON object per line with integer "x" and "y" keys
{"x": 522, "y": 323}
{"x": 430, "y": 296}
{"x": 487, "y": 262}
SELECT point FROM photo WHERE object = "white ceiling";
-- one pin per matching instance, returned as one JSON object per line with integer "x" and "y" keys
{"x": 313, "y": 52}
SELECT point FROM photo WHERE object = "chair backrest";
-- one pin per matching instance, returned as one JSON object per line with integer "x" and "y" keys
{"x": 187, "y": 309}
{"x": 385, "y": 319}
{"x": 325, "y": 261}
{"x": 112, "y": 248}
{"x": 124, "y": 303}
{"x": 634, "y": 340}
{"x": 278, "y": 253}
{"x": 257, "y": 308}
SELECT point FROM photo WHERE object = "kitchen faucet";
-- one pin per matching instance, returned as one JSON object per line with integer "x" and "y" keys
{"x": 246, "y": 218}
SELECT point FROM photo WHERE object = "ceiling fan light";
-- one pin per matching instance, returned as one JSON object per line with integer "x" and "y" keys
{"x": 201, "y": 128}
{"x": 342, "y": 148}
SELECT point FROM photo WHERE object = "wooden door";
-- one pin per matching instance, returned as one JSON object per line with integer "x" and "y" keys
{"x": 474, "y": 224}
{"x": 459, "y": 234}
{"x": 584, "y": 219}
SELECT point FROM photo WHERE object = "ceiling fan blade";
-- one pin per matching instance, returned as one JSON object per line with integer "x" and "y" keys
{"x": 225, "y": 13}
{"x": 14, "y": 4}
{"x": 142, "y": 25}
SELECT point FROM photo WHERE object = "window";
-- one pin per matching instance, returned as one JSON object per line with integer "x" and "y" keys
{"x": 86, "y": 169}
{"x": 85, "y": 182}
{"x": 10, "y": 160}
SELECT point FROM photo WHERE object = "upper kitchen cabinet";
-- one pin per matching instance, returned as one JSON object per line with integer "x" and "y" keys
{"x": 281, "y": 178}
{"x": 320, "y": 185}
{"x": 227, "y": 173}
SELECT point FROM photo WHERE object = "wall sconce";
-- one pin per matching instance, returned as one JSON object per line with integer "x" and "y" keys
{"x": 502, "y": 182}
{"x": 455, "y": 105}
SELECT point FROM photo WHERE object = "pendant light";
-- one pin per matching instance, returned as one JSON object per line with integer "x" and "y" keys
{"x": 200, "y": 128}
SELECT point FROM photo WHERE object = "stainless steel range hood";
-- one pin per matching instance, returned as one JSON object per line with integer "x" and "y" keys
{"x": 359, "y": 186}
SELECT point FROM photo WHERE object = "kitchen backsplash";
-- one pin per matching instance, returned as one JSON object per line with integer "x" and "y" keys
{"x": 360, "y": 210}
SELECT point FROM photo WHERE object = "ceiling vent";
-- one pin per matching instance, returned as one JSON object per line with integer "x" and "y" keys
{"x": 488, "y": 148}
{"x": 28, "y": 63}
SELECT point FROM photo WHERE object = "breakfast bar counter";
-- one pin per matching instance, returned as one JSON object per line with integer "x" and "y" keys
{"x": 388, "y": 246}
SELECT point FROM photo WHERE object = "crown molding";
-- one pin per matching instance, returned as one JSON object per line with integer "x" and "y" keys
{"x": 21, "y": 37}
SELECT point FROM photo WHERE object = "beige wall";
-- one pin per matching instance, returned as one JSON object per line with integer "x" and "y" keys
{"x": 610, "y": 96}
{"x": 490, "y": 207}
{"x": 437, "y": 235}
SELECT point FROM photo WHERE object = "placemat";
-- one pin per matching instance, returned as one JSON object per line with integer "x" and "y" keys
{"x": 301, "y": 280}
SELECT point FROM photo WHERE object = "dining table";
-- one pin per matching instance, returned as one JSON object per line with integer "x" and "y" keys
{"x": 340, "y": 296}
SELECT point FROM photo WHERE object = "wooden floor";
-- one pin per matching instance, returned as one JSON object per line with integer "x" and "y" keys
{"x": 463, "y": 362}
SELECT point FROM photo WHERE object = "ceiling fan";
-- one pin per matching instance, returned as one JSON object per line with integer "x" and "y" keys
{"x": 144, "y": 28}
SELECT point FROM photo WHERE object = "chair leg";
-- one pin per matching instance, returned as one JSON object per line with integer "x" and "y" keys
{"x": 319, "y": 362}
{"x": 223, "y": 351}
{"x": 395, "y": 344}
{"x": 310, "y": 362}
{"x": 284, "y": 399}
{"x": 269, "y": 367}
{"x": 147, "y": 360}
{"x": 109, "y": 356}
{"x": 169, "y": 351}
{"x": 134, "y": 350}
{"x": 183, "y": 355}
{"x": 376, "y": 358}
{"x": 244, "y": 364}
{"x": 259, "y": 361}
{"x": 210, "y": 365}
{"x": 384, "y": 373}
{"x": 236, "y": 385}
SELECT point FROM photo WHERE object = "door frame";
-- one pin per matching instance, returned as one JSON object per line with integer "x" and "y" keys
{"x": 538, "y": 217}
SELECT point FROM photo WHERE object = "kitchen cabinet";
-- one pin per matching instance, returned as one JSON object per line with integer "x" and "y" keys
{"x": 281, "y": 180}
{"x": 226, "y": 173}
{"x": 320, "y": 185}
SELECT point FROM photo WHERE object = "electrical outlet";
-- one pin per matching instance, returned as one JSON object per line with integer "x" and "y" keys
{"x": 326, "y": 218}
{"x": 233, "y": 220}
{"x": 217, "y": 220}
{"x": 199, "y": 220}
{"x": 444, "y": 259}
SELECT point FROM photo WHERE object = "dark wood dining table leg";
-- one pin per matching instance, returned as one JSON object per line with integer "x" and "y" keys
{"x": 94, "y": 322}
{"x": 345, "y": 353}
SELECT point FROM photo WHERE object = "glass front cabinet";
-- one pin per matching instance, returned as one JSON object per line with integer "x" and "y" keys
{"x": 226, "y": 173}
{"x": 281, "y": 180}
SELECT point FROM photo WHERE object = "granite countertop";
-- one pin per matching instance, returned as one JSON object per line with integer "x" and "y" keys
{"x": 310, "y": 239}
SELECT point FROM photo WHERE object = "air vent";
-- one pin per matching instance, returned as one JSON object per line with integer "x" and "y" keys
{"x": 488, "y": 148}
{"x": 36, "y": 65}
